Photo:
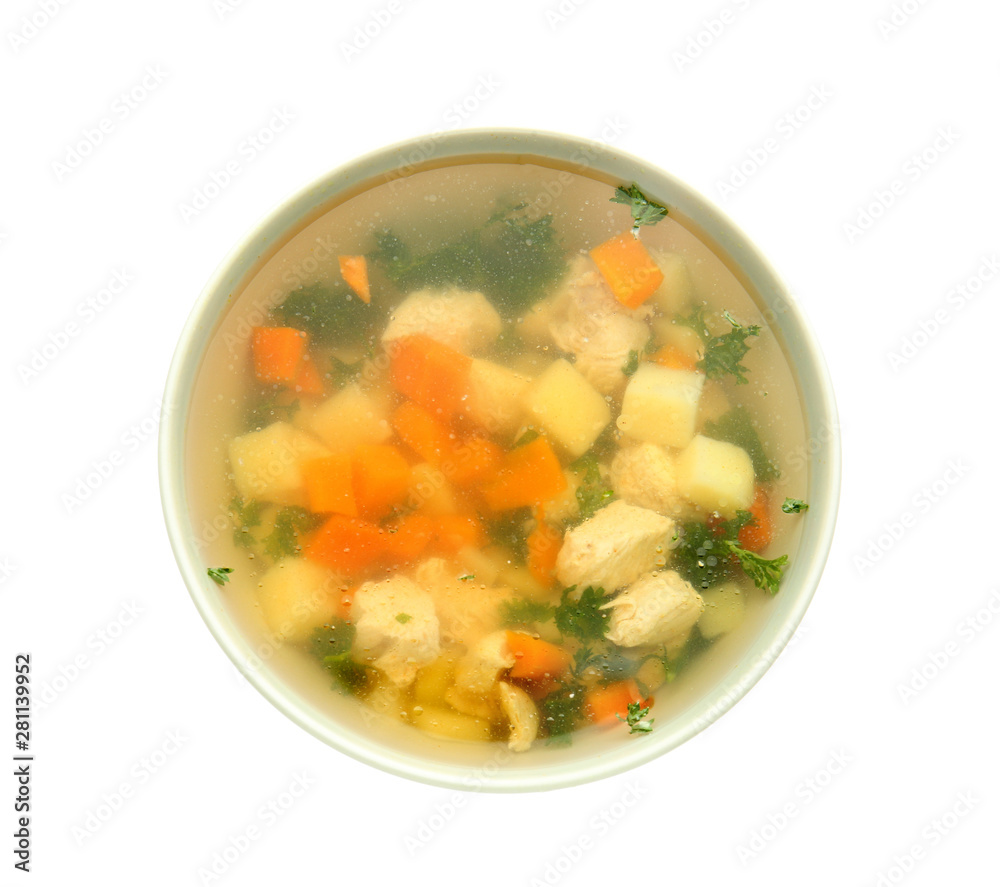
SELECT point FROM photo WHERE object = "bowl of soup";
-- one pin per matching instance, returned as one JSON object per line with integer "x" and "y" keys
{"x": 499, "y": 460}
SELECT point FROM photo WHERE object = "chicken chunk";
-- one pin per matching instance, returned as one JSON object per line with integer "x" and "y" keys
{"x": 476, "y": 691}
{"x": 597, "y": 329}
{"x": 646, "y": 475}
{"x": 615, "y": 547}
{"x": 463, "y": 320}
{"x": 465, "y": 610}
{"x": 396, "y": 628}
{"x": 522, "y": 715}
{"x": 659, "y": 608}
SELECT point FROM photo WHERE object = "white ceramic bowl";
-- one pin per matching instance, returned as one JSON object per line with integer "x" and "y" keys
{"x": 698, "y": 699}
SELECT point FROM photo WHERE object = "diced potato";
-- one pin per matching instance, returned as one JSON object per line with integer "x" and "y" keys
{"x": 430, "y": 492}
{"x": 661, "y": 405}
{"x": 713, "y": 404}
{"x": 725, "y": 606}
{"x": 496, "y": 394}
{"x": 651, "y": 675}
{"x": 715, "y": 476}
{"x": 673, "y": 296}
{"x": 434, "y": 679}
{"x": 681, "y": 337}
{"x": 267, "y": 464}
{"x": 350, "y": 418}
{"x": 296, "y": 596}
{"x": 567, "y": 407}
{"x": 449, "y": 724}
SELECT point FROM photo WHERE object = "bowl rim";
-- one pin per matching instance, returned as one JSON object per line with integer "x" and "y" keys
{"x": 816, "y": 398}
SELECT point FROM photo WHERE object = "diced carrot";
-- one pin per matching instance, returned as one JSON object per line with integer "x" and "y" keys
{"x": 329, "y": 485}
{"x": 453, "y": 532}
{"x": 309, "y": 380}
{"x": 472, "y": 460}
{"x": 277, "y": 353}
{"x": 629, "y": 269}
{"x": 758, "y": 535}
{"x": 535, "y": 659}
{"x": 674, "y": 358}
{"x": 407, "y": 539}
{"x": 346, "y": 544}
{"x": 430, "y": 373}
{"x": 381, "y": 478}
{"x": 354, "y": 270}
{"x": 422, "y": 433}
{"x": 604, "y": 703}
{"x": 544, "y": 543}
{"x": 530, "y": 474}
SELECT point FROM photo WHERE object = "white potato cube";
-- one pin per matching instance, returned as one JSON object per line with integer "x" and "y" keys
{"x": 661, "y": 405}
{"x": 567, "y": 407}
{"x": 449, "y": 724}
{"x": 725, "y": 606}
{"x": 673, "y": 296}
{"x": 495, "y": 398}
{"x": 460, "y": 319}
{"x": 297, "y": 596}
{"x": 715, "y": 476}
{"x": 350, "y": 418}
{"x": 267, "y": 464}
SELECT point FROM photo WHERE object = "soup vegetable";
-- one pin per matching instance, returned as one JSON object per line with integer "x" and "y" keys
{"x": 502, "y": 489}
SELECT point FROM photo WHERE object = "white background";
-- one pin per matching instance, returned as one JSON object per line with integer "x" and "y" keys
{"x": 830, "y": 771}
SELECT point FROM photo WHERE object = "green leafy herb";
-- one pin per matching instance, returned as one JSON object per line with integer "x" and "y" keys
{"x": 331, "y": 644}
{"x": 701, "y": 556}
{"x": 636, "y": 713}
{"x": 736, "y": 427}
{"x": 724, "y": 353}
{"x": 266, "y": 409}
{"x": 289, "y": 524}
{"x": 526, "y": 438}
{"x": 246, "y": 516}
{"x": 403, "y": 618}
{"x": 766, "y": 574}
{"x": 593, "y": 493}
{"x": 219, "y": 575}
{"x": 608, "y": 661}
{"x": 521, "y": 611}
{"x": 561, "y": 710}
{"x": 644, "y": 210}
{"x": 468, "y": 577}
{"x": 794, "y": 506}
{"x": 341, "y": 373}
{"x": 512, "y": 259}
{"x": 508, "y": 530}
{"x": 328, "y": 313}
{"x": 632, "y": 363}
{"x": 582, "y": 617}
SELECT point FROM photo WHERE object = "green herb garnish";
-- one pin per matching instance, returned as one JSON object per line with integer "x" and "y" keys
{"x": 636, "y": 712}
{"x": 328, "y": 313}
{"x": 331, "y": 644}
{"x": 736, "y": 427}
{"x": 582, "y": 617}
{"x": 794, "y": 506}
{"x": 521, "y": 611}
{"x": 289, "y": 524}
{"x": 644, "y": 211}
{"x": 403, "y": 618}
{"x": 724, "y": 353}
{"x": 765, "y": 573}
{"x": 593, "y": 493}
{"x": 560, "y": 711}
{"x": 219, "y": 575}
{"x": 631, "y": 364}
{"x": 246, "y": 516}
{"x": 527, "y": 437}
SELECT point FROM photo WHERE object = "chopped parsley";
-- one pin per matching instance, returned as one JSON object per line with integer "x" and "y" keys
{"x": 631, "y": 364}
{"x": 634, "y": 718}
{"x": 701, "y": 556}
{"x": 468, "y": 577}
{"x": 522, "y": 611}
{"x": 508, "y": 530}
{"x": 266, "y": 409}
{"x": 722, "y": 353}
{"x": 765, "y": 573}
{"x": 219, "y": 575}
{"x": 736, "y": 427}
{"x": 560, "y": 711}
{"x": 290, "y": 523}
{"x": 794, "y": 506}
{"x": 512, "y": 259}
{"x": 328, "y": 313}
{"x": 341, "y": 373}
{"x": 593, "y": 493}
{"x": 582, "y": 617}
{"x": 403, "y": 618}
{"x": 331, "y": 644}
{"x": 529, "y": 435}
{"x": 644, "y": 210}
{"x": 246, "y": 516}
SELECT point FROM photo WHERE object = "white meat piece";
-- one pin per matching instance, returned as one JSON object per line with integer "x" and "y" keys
{"x": 597, "y": 329}
{"x": 397, "y": 647}
{"x": 522, "y": 715}
{"x": 614, "y": 547}
{"x": 475, "y": 690}
{"x": 466, "y": 611}
{"x": 646, "y": 475}
{"x": 660, "y": 608}
{"x": 463, "y": 320}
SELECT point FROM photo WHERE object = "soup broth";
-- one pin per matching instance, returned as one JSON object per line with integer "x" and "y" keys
{"x": 502, "y": 452}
